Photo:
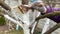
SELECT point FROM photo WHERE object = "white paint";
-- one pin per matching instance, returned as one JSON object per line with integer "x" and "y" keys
{"x": 11, "y": 19}
{"x": 26, "y": 18}
{"x": 45, "y": 28}
{"x": 13, "y": 3}
{"x": 33, "y": 27}
{"x": 26, "y": 29}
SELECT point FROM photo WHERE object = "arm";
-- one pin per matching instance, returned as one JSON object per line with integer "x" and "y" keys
{"x": 49, "y": 9}
{"x": 56, "y": 9}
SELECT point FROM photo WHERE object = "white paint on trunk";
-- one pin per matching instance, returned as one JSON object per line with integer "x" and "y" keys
{"x": 33, "y": 27}
{"x": 26, "y": 18}
{"x": 45, "y": 28}
{"x": 26, "y": 29}
{"x": 11, "y": 19}
{"x": 13, "y": 3}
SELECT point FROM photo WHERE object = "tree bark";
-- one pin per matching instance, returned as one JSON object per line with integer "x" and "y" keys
{"x": 4, "y": 5}
{"x": 25, "y": 2}
{"x": 52, "y": 29}
{"x": 48, "y": 15}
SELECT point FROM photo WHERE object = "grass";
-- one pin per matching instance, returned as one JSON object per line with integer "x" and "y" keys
{"x": 36, "y": 32}
{"x": 2, "y": 20}
{"x": 18, "y": 32}
{"x": 13, "y": 32}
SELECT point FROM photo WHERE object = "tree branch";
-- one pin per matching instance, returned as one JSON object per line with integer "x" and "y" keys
{"x": 48, "y": 15}
{"x": 52, "y": 29}
{"x": 4, "y": 5}
{"x": 43, "y": 16}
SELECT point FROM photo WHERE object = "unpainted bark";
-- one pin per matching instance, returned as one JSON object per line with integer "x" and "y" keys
{"x": 48, "y": 15}
{"x": 4, "y": 5}
{"x": 25, "y": 2}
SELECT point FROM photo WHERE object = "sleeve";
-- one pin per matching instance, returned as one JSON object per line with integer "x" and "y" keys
{"x": 56, "y": 9}
{"x": 48, "y": 9}
{"x": 40, "y": 9}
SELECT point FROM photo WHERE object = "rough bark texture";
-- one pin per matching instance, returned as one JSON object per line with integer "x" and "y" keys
{"x": 2, "y": 3}
{"x": 53, "y": 29}
{"x": 48, "y": 15}
{"x": 25, "y": 1}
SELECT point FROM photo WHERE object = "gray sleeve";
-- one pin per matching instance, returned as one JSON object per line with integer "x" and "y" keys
{"x": 41, "y": 9}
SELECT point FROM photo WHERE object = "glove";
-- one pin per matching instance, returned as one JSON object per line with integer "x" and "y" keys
{"x": 38, "y": 7}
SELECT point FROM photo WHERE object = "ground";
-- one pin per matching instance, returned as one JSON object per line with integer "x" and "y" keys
{"x": 5, "y": 30}
{"x": 13, "y": 32}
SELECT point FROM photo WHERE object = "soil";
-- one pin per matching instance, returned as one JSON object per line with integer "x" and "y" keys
{"x": 4, "y": 27}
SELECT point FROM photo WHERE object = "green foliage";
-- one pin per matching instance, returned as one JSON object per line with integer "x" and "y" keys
{"x": 16, "y": 32}
{"x": 36, "y": 32}
{"x": 2, "y": 20}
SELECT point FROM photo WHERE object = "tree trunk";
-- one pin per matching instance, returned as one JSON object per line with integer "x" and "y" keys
{"x": 52, "y": 29}
{"x": 2, "y": 3}
{"x": 26, "y": 29}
